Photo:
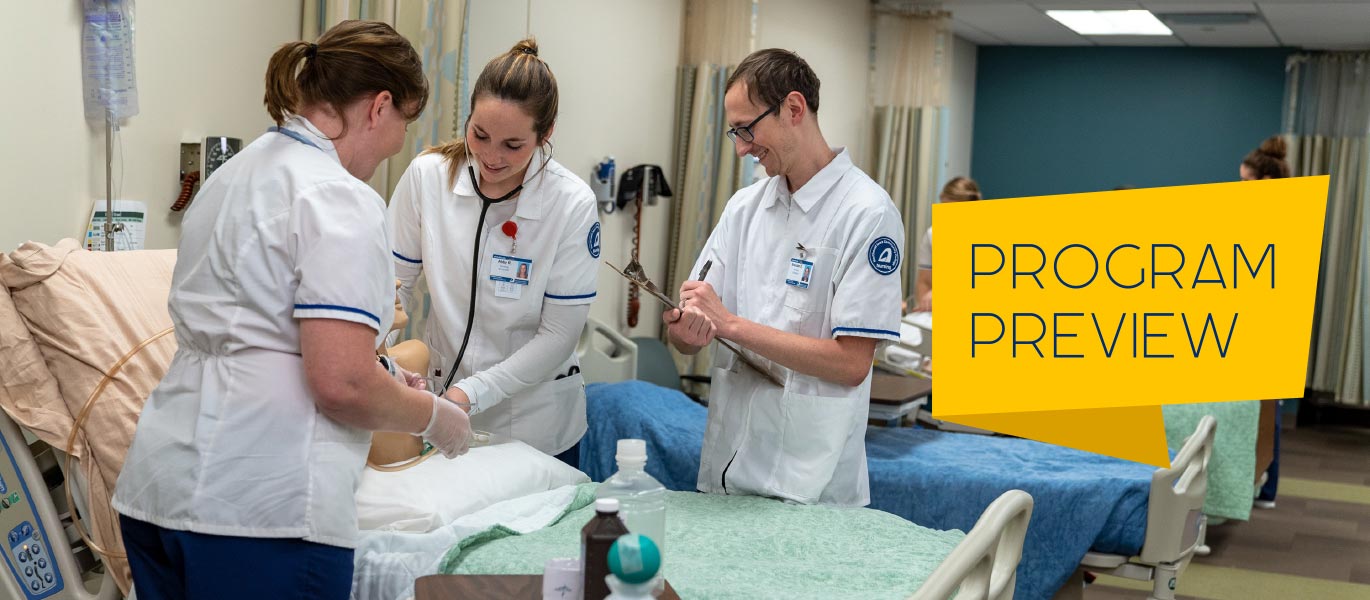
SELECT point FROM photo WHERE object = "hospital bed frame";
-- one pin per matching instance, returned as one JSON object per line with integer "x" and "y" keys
{"x": 1175, "y": 526}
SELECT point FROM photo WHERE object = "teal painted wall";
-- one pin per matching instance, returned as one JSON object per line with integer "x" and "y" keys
{"x": 1051, "y": 120}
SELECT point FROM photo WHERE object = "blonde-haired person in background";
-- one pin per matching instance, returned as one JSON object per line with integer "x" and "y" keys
{"x": 959, "y": 189}
{"x": 1266, "y": 161}
{"x": 240, "y": 480}
{"x": 509, "y": 241}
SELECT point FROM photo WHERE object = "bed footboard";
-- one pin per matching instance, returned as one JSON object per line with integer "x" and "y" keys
{"x": 984, "y": 566}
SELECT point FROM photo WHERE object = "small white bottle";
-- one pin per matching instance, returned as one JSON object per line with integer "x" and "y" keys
{"x": 642, "y": 499}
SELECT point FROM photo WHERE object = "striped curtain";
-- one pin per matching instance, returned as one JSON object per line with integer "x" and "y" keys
{"x": 717, "y": 33}
{"x": 438, "y": 31}
{"x": 1327, "y": 125}
{"x": 910, "y": 71}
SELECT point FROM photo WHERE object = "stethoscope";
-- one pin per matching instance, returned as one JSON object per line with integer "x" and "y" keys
{"x": 485, "y": 203}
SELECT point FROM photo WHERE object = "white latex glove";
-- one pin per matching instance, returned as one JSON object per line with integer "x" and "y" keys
{"x": 449, "y": 429}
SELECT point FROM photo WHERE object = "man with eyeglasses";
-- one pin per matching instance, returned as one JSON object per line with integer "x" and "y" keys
{"x": 805, "y": 279}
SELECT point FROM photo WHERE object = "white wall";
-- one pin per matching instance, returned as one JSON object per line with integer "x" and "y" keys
{"x": 615, "y": 63}
{"x": 961, "y": 102}
{"x": 834, "y": 37}
{"x": 200, "y": 67}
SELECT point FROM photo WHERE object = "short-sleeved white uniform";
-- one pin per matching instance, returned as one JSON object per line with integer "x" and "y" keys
{"x": 556, "y": 244}
{"x": 806, "y": 442}
{"x": 231, "y": 442}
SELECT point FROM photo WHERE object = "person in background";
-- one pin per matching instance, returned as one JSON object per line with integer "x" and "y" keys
{"x": 1268, "y": 162}
{"x": 959, "y": 189}
{"x": 240, "y": 479}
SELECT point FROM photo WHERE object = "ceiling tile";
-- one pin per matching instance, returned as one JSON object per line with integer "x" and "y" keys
{"x": 1255, "y": 34}
{"x": 1018, "y": 25}
{"x": 975, "y": 35}
{"x": 1207, "y": 6}
{"x": 1324, "y": 25}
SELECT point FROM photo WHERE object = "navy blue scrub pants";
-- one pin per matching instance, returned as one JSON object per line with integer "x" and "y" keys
{"x": 173, "y": 565}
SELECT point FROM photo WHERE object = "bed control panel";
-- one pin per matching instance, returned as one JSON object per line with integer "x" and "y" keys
{"x": 28, "y": 558}
{"x": 28, "y": 554}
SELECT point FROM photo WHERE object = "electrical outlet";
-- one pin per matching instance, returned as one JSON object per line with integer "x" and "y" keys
{"x": 190, "y": 159}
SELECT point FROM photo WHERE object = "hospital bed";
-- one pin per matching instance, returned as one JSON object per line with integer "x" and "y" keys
{"x": 1142, "y": 522}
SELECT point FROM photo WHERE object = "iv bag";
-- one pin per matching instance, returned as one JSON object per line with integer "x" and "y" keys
{"x": 107, "y": 60}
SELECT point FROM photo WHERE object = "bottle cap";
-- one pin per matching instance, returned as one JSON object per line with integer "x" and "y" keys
{"x": 634, "y": 558}
{"x": 606, "y": 505}
{"x": 632, "y": 451}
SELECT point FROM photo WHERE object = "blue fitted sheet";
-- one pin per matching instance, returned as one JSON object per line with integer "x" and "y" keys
{"x": 1082, "y": 501}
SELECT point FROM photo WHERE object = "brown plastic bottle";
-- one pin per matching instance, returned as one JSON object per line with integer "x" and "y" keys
{"x": 595, "y": 539}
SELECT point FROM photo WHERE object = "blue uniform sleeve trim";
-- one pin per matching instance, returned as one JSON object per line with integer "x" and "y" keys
{"x": 339, "y": 308}
{"x": 404, "y": 258}
{"x": 580, "y": 297}
{"x": 835, "y": 331}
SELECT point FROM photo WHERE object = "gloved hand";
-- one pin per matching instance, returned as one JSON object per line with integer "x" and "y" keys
{"x": 449, "y": 429}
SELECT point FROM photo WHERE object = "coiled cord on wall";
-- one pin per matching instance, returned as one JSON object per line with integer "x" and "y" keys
{"x": 187, "y": 191}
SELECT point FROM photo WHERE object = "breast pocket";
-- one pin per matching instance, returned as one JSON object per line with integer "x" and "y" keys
{"x": 806, "y": 307}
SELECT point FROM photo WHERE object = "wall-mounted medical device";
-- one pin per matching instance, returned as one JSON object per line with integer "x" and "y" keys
{"x": 197, "y": 163}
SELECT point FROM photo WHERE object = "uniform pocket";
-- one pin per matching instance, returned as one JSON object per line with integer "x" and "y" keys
{"x": 813, "y": 434}
{"x": 792, "y": 445}
{"x": 550, "y": 415}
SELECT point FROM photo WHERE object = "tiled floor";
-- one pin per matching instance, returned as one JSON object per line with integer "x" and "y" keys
{"x": 1314, "y": 544}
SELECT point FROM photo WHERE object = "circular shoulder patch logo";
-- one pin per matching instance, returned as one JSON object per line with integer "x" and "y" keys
{"x": 883, "y": 255}
{"x": 592, "y": 241}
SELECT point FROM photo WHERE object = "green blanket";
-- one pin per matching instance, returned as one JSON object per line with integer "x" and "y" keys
{"x": 1232, "y": 470}
{"x": 742, "y": 547}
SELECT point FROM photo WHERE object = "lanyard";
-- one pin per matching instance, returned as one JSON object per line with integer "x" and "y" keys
{"x": 295, "y": 136}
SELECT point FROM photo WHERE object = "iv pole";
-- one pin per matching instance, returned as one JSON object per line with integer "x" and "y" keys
{"x": 109, "y": 183}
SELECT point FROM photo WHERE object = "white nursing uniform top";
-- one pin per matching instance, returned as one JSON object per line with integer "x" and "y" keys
{"x": 806, "y": 442}
{"x": 231, "y": 442}
{"x": 552, "y": 259}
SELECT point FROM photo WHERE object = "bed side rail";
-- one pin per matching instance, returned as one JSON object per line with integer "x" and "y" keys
{"x": 605, "y": 355}
{"x": 1175, "y": 519}
{"x": 984, "y": 566}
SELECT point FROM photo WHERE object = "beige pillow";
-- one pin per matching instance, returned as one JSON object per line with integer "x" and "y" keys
{"x": 84, "y": 311}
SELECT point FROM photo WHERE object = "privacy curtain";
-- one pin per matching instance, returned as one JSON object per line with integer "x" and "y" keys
{"x": 718, "y": 35}
{"x": 909, "y": 83}
{"x": 437, "y": 29}
{"x": 1327, "y": 125}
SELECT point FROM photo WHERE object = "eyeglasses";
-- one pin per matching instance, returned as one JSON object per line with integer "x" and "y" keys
{"x": 744, "y": 133}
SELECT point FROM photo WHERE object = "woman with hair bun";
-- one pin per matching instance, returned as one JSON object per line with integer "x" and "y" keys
{"x": 1267, "y": 161}
{"x": 509, "y": 242}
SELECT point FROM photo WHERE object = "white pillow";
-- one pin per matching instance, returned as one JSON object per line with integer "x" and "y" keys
{"x": 440, "y": 490}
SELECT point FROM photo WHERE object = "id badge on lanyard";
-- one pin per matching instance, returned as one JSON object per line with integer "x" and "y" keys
{"x": 510, "y": 274}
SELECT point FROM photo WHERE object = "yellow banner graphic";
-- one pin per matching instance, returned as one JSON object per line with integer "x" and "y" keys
{"x": 1072, "y": 319}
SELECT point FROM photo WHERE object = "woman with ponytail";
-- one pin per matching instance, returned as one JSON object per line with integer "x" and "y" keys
{"x": 509, "y": 242}
{"x": 240, "y": 479}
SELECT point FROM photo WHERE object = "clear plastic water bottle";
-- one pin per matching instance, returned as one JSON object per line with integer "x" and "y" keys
{"x": 642, "y": 499}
